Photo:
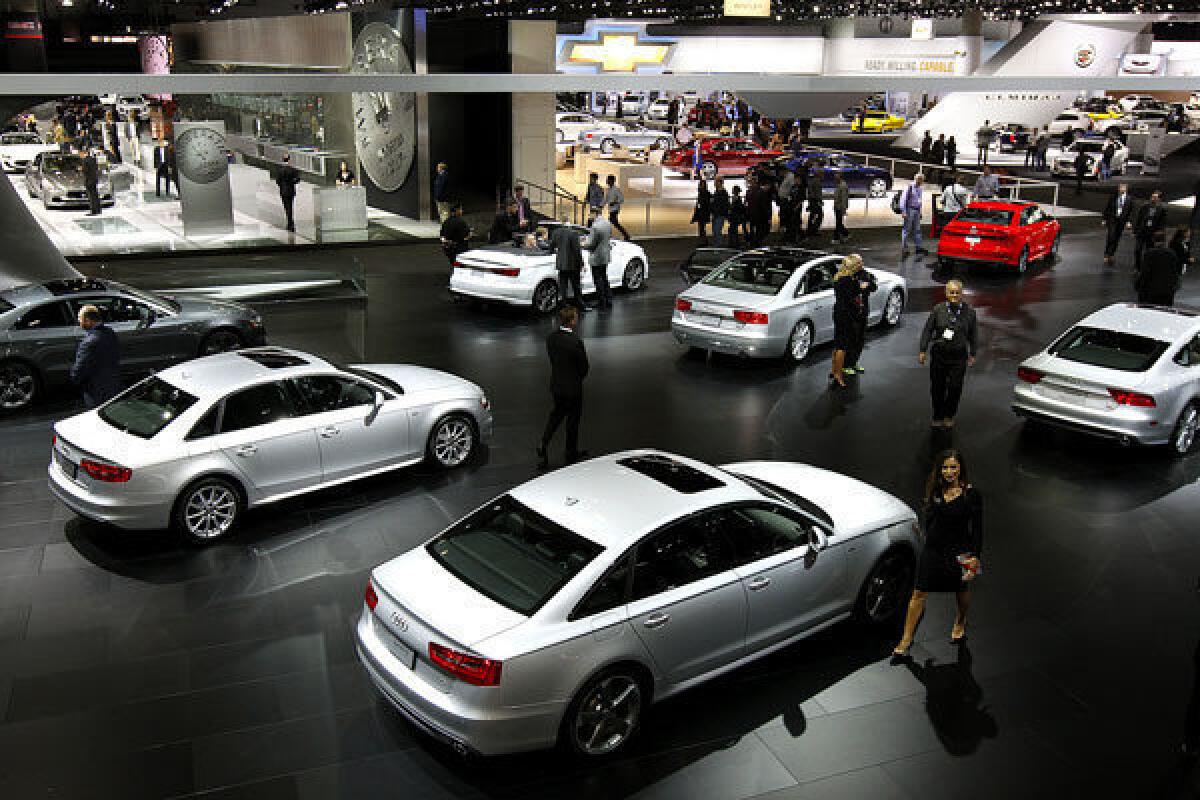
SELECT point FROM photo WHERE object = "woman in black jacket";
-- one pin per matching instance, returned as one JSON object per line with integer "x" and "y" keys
{"x": 1180, "y": 245}
{"x": 702, "y": 213}
{"x": 719, "y": 205}
{"x": 737, "y": 218}
{"x": 848, "y": 298}
{"x": 953, "y": 541}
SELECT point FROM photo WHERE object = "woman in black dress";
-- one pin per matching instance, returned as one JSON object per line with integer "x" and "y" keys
{"x": 702, "y": 213}
{"x": 344, "y": 176}
{"x": 848, "y": 288}
{"x": 953, "y": 541}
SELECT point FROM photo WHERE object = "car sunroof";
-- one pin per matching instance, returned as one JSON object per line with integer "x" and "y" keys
{"x": 669, "y": 472}
{"x": 273, "y": 359}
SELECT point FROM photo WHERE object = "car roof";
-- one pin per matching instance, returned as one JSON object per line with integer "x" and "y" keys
{"x": 1159, "y": 322}
{"x": 1002, "y": 205}
{"x": 217, "y": 375}
{"x": 614, "y": 505}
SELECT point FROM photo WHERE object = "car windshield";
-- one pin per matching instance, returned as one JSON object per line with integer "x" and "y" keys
{"x": 1118, "y": 350}
{"x": 986, "y": 216}
{"x": 20, "y": 138}
{"x": 758, "y": 274}
{"x": 149, "y": 297}
{"x": 710, "y": 258}
{"x": 1089, "y": 147}
{"x": 147, "y": 408}
{"x": 512, "y": 555}
{"x": 59, "y": 163}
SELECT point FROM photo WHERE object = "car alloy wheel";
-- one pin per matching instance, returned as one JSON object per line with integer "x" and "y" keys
{"x": 878, "y": 187}
{"x": 1054, "y": 247}
{"x": 800, "y": 342}
{"x": 708, "y": 170}
{"x": 452, "y": 441}
{"x": 220, "y": 341}
{"x": 1185, "y": 430}
{"x": 606, "y": 715}
{"x": 886, "y": 589}
{"x": 18, "y": 385}
{"x": 635, "y": 275}
{"x": 893, "y": 307}
{"x": 607, "y": 145}
{"x": 209, "y": 509}
{"x": 1023, "y": 260}
{"x": 545, "y": 297}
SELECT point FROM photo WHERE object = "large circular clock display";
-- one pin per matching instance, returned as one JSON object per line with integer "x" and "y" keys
{"x": 385, "y": 123}
{"x": 200, "y": 154}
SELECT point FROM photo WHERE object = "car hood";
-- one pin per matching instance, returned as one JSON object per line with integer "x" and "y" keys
{"x": 855, "y": 507}
{"x": 443, "y": 602}
{"x": 731, "y": 298}
{"x": 420, "y": 379}
{"x": 89, "y": 433}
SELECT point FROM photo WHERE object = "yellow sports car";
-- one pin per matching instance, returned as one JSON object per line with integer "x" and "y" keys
{"x": 1111, "y": 112}
{"x": 877, "y": 122}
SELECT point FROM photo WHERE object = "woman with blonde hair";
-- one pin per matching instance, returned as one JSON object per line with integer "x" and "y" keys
{"x": 847, "y": 306}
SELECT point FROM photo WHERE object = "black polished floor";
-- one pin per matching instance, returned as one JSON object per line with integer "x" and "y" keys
{"x": 131, "y": 666}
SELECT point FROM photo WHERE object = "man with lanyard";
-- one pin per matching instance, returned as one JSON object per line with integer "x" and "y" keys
{"x": 910, "y": 205}
{"x": 524, "y": 209}
{"x": 1116, "y": 217}
{"x": 949, "y": 339}
{"x": 987, "y": 186}
{"x": 614, "y": 198}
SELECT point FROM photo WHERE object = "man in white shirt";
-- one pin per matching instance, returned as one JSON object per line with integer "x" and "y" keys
{"x": 954, "y": 199}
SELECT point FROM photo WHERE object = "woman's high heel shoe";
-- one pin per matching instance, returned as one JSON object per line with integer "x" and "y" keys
{"x": 835, "y": 382}
{"x": 958, "y": 634}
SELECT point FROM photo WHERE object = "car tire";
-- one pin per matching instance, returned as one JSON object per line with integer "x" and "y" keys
{"x": 452, "y": 441}
{"x": 613, "y": 701}
{"x": 800, "y": 342}
{"x": 606, "y": 145}
{"x": 207, "y": 510}
{"x": 1183, "y": 438}
{"x": 634, "y": 277}
{"x": 893, "y": 307}
{"x": 20, "y": 386}
{"x": 1023, "y": 261}
{"x": 221, "y": 340}
{"x": 885, "y": 591}
{"x": 1052, "y": 255}
{"x": 708, "y": 170}
{"x": 545, "y": 296}
{"x": 878, "y": 187}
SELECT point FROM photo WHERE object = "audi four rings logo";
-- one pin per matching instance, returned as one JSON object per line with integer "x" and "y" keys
{"x": 399, "y": 621}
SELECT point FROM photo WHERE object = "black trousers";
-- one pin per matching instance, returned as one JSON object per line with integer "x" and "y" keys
{"x": 565, "y": 281}
{"x": 288, "y": 201}
{"x": 1141, "y": 243}
{"x": 93, "y": 194}
{"x": 839, "y": 224}
{"x": 815, "y": 217}
{"x": 981, "y": 156}
{"x": 570, "y": 408}
{"x": 946, "y": 377}
{"x": 603, "y": 290}
{"x": 160, "y": 175}
{"x": 1112, "y": 240}
{"x": 614, "y": 219}
{"x": 858, "y": 340}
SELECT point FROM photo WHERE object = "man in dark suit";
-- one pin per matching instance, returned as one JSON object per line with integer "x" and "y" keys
{"x": 524, "y": 210}
{"x": 287, "y": 178}
{"x": 568, "y": 367}
{"x": 1151, "y": 218}
{"x": 1116, "y": 217}
{"x": 163, "y": 155}
{"x": 455, "y": 234}
{"x": 564, "y": 243}
{"x": 91, "y": 181}
{"x": 1159, "y": 276}
{"x": 97, "y": 368}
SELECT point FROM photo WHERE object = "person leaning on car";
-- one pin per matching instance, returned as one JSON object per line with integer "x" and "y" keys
{"x": 568, "y": 259}
{"x": 97, "y": 368}
{"x": 1151, "y": 217}
{"x": 1116, "y": 216}
{"x": 949, "y": 339}
{"x": 1159, "y": 277}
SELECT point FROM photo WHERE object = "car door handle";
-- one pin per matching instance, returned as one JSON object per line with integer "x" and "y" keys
{"x": 759, "y": 583}
{"x": 657, "y": 621}
{"x": 247, "y": 450}
{"x": 329, "y": 433}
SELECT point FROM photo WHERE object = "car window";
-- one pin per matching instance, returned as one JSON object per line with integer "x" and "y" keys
{"x": 207, "y": 425}
{"x": 258, "y": 405}
{"x": 757, "y": 274}
{"x": 758, "y": 532}
{"x": 47, "y": 315}
{"x": 332, "y": 393}
{"x": 147, "y": 408}
{"x": 985, "y": 216}
{"x": 682, "y": 553}
{"x": 1189, "y": 354}
{"x": 817, "y": 279}
{"x": 608, "y": 593}
{"x": 1117, "y": 350}
{"x": 115, "y": 308}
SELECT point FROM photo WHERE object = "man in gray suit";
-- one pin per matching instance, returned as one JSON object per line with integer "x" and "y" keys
{"x": 599, "y": 242}
{"x": 564, "y": 243}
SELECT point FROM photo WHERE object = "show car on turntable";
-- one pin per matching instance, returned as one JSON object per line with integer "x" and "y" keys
{"x": 18, "y": 149}
{"x": 520, "y": 275}
{"x": 861, "y": 179}
{"x": 631, "y": 137}
{"x": 195, "y": 445}
{"x": 569, "y": 124}
{"x": 39, "y": 332}
{"x": 722, "y": 155}
{"x": 1093, "y": 147}
{"x": 57, "y": 179}
{"x": 877, "y": 122}
{"x": 1000, "y": 233}
{"x": 1128, "y": 372}
{"x": 561, "y": 610}
{"x": 773, "y": 302}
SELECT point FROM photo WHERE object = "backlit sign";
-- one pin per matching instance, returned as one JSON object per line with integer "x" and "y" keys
{"x": 617, "y": 51}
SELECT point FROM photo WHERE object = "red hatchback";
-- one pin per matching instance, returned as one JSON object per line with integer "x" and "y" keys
{"x": 724, "y": 155}
{"x": 998, "y": 232}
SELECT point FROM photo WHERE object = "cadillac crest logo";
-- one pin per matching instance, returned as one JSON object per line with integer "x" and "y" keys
{"x": 1085, "y": 55}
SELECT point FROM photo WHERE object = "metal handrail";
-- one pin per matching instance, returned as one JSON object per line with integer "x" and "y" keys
{"x": 558, "y": 199}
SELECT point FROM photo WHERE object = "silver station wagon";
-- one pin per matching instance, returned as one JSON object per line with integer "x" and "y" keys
{"x": 560, "y": 611}
{"x": 772, "y": 302}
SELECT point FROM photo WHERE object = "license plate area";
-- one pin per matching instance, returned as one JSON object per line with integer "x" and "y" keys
{"x": 972, "y": 240}
{"x": 402, "y": 652}
{"x": 69, "y": 468}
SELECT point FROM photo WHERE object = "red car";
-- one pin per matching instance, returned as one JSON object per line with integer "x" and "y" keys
{"x": 999, "y": 232}
{"x": 724, "y": 155}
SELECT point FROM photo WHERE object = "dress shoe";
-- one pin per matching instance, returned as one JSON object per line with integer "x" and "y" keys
{"x": 948, "y": 423}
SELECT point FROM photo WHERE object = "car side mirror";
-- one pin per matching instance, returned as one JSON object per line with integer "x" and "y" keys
{"x": 817, "y": 539}
{"x": 379, "y": 399}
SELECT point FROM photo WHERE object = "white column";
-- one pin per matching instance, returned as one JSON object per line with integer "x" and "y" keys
{"x": 531, "y": 45}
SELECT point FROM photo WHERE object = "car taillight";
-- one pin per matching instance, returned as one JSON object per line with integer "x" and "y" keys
{"x": 457, "y": 264}
{"x": 750, "y": 317}
{"x": 509, "y": 272}
{"x": 682, "y": 305}
{"x": 109, "y": 473}
{"x": 470, "y": 669}
{"x": 370, "y": 596}
{"x": 1124, "y": 397}
{"x": 1029, "y": 375}
{"x": 587, "y": 135}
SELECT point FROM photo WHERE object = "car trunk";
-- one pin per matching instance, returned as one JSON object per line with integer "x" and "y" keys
{"x": 715, "y": 307}
{"x": 1084, "y": 385}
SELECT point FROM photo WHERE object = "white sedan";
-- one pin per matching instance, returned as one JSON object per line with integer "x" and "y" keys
{"x": 17, "y": 150}
{"x": 658, "y": 109}
{"x": 569, "y": 124}
{"x": 526, "y": 276}
{"x": 1064, "y": 162}
{"x": 195, "y": 445}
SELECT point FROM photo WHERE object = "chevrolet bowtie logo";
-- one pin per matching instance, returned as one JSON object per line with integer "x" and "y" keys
{"x": 618, "y": 52}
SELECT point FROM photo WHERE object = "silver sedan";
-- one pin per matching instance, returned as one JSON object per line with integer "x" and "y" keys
{"x": 772, "y": 302}
{"x": 559, "y": 611}
{"x": 632, "y": 137}
{"x": 195, "y": 445}
{"x": 1128, "y": 372}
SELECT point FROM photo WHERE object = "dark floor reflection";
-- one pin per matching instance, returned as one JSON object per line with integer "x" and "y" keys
{"x": 954, "y": 702}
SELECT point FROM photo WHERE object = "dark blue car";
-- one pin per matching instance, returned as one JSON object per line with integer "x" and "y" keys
{"x": 862, "y": 179}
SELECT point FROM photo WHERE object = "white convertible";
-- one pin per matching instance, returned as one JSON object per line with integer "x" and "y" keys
{"x": 526, "y": 276}
{"x": 18, "y": 149}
